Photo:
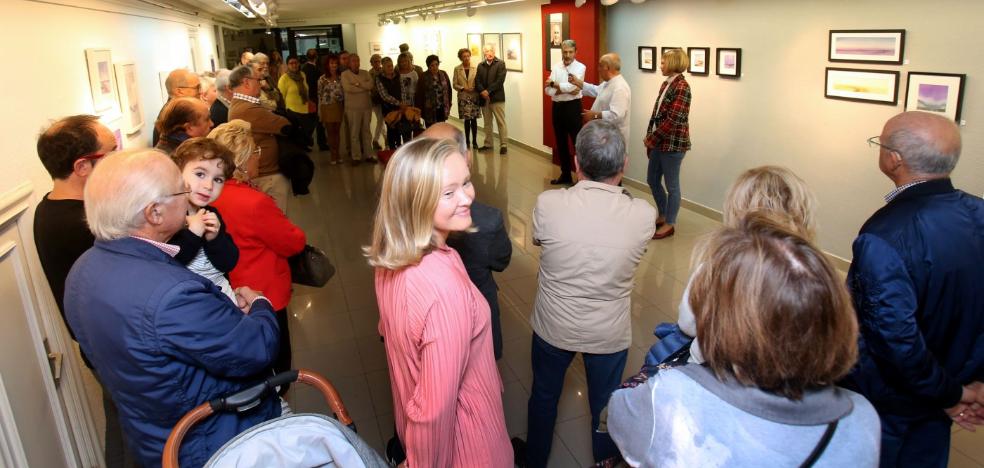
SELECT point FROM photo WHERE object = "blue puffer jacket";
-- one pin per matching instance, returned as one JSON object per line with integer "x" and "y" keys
{"x": 163, "y": 340}
{"x": 917, "y": 280}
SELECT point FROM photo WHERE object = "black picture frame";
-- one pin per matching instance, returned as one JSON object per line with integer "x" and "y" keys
{"x": 913, "y": 101}
{"x": 856, "y": 95}
{"x": 651, "y": 65}
{"x": 870, "y": 52}
{"x": 726, "y": 73}
{"x": 707, "y": 58}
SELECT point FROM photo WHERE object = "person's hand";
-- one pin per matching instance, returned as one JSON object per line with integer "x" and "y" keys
{"x": 588, "y": 116}
{"x": 196, "y": 222}
{"x": 212, "y": 225}
{"x": 549, "y": 83}
{"x": 575, "y": 80}
{"x": 967, "y": 413}
{"x": 485, "y": 94}
{"x": 245, "y": 297}
{"x": 650, "y": 142}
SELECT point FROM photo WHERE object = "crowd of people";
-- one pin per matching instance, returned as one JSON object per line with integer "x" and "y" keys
{"x": 156, "y": 258}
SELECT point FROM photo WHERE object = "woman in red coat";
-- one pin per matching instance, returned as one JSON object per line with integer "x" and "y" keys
{"x": 263, "y": 234}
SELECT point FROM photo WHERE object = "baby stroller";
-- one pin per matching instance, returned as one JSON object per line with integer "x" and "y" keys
{"x": 295, "y": 440}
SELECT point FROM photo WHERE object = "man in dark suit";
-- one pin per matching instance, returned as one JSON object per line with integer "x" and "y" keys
{"x": 489, "y": 81}
{"x": 312, "y": 71}
{"x": 219, "y": 112}
{"x": 488, "y": 248}
{"x": 916, "y": 280}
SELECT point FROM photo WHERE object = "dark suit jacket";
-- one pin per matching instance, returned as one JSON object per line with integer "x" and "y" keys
{"x": 311, "y": 73}
{"x": 917, "y": 280}
{"x": 219, "y": 113}
{"x": 484, "y": 251}
{"x": 491, "y": 78}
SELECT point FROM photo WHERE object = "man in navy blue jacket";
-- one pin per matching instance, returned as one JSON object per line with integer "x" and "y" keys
{"x": 917, "y": 280}
{"x": 163, "y": 339}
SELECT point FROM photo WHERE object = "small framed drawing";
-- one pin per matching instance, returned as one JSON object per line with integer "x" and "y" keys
{"x": 728, "y": 62}
{"x": 512, "y": 51}
{"x": 940, "y": 93}
{"x": 375, "y": 48}
{"x": 885, "y": 46}
{"x": 877, "y": 86}
{"x": 698, "y": 60}
{"x": 647, "y": 59}
{"x": 126, "y": 79}
{"x": 474, "y": 41}
{"x": 494, "y": 40}
{"x": 101, "y": 81}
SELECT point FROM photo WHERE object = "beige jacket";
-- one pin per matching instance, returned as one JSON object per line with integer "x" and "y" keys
{"x": 358, "y": 90}
{"x": 593, "y": 236}
{"x": 459, "y": 82}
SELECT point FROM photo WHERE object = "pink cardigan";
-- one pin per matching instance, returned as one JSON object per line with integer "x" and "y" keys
{"x": 447, "y": 393}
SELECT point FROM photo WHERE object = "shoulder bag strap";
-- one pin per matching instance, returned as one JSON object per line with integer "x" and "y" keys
{"x": 821, "y": 446}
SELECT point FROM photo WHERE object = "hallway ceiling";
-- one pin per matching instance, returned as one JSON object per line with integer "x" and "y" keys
{"x": 300, "y": 12}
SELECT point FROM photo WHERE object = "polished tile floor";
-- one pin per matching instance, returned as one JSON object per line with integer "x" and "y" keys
{"x": 334, "y": 332}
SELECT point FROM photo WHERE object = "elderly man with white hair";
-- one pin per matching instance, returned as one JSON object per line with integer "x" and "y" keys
{"x": 614, "y": 97}
{"x": 162, "y": 338}
{"x": 219, "y": 112}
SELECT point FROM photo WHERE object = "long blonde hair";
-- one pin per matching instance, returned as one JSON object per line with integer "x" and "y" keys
{"x": 774, "y": 189}
{"x": 236, "y": 135}
{"x": 403, "y": 229}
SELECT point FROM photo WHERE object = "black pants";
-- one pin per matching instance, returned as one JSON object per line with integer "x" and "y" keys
{"x": 308, "y": 123}
{"x": 471, "y": 132}
{"x": 322, "y": 137}
{"x": 566, "y": 125}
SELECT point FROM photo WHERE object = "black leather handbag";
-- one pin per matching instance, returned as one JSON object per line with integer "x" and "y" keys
{"x": 311, "y": 267}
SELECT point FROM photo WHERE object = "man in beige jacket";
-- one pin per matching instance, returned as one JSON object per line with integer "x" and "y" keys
{"x": 358, "y": 85}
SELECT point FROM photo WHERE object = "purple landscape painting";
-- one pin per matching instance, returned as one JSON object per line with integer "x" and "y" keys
{"x": 932, "y": 97}
{"x": 874, "y": 46}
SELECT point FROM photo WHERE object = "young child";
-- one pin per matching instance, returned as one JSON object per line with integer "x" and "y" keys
{"x": 206, "y": 248}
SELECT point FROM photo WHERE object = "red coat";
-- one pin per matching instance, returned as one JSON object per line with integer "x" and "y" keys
{"x": 265, "y": 238}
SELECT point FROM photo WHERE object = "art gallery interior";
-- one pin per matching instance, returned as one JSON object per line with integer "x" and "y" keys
{"x": 776, "y": 110}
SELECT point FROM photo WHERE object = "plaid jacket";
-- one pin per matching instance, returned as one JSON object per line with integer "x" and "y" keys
{"x": 670, "y": 127}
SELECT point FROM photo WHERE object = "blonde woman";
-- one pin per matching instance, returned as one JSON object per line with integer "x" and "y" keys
{"x": 771, "y": 189}
{"x": 261, "y": 231}
{"x": 447, "y": 394}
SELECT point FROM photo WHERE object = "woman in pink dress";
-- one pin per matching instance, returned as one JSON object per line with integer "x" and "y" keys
{"x": 447, "y": 394}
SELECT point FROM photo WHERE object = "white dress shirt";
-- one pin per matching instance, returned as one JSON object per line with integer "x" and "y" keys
{"x": 613, "y": 100}
{"x": 558, "y": 74}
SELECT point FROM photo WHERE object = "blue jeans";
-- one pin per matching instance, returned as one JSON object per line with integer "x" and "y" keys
{"x": 665, "y": 165}
{"x": 915, "y": 442}
{"x": 604, "y": 373}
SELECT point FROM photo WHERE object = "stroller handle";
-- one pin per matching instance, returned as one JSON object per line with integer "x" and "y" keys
{"x": 247, "y": 399}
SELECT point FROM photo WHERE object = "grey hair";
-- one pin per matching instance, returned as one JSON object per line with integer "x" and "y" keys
{"x": 122, "y": 185}
{"x": 222, "y": 80}
{"x": 238, "y": 76}
{"x": 260, "y": 57}
{"x": 600, "y": 150}
{"x": 612, "y": 60}
{"x": 922, "y": 154}
{"x": 569, "y": 43}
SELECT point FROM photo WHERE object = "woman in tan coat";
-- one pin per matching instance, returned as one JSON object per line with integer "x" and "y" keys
{"x": 468, "y": 102}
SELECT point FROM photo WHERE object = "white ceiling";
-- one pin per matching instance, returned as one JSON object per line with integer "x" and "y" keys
{"x": 301, "y": 12}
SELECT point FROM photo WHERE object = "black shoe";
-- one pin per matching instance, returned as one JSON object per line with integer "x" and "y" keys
{"x": 475, "y": 145}
{"x": 394, "y": 451}
{"x": 519, "y": 451}
{"x": 485, "y": 148}
{"x": 562, "y": 181}
{"x": 502, "y": 150}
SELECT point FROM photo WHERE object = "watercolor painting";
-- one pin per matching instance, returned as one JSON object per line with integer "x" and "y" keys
{"x": 875, "y": 86}
{"x": 940, "y": 93}
{"x": 698, "y": 60}
{"x": 101, "y": 82}
{"x": 646, "y": 58}
{"x": 512, "y": 45}
{"x": 866, "y": 46}
{"x": 474, "y": 41}
{"x": 129, "y": 92}
{"x": 729, "y": 62}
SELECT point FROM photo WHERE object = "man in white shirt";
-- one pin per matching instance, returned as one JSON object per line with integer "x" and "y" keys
{"x": 613, "y": 96}
{"x": 566, "y": 106}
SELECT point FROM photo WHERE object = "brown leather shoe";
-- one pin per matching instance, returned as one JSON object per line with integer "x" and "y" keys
{"x": 657, "y": 235}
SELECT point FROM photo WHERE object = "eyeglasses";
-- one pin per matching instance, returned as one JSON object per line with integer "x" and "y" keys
{"x": 188, "y": 87}
{"x": 873, "y": 141}
{"x": 92, "y": 157}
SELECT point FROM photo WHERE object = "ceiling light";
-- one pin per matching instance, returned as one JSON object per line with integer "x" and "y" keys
{"x": 396, "y": 20}
{"x": 637, "y": 1}
{"x": 609, "y": 2}
{"x": 470, "y": 11}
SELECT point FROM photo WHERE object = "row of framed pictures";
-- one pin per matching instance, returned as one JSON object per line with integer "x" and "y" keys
{"x": 507, "y": 46}
{"x": 940, "y": 93}
{"x": 114, "y": 87}
{"x": 728, "y": 60}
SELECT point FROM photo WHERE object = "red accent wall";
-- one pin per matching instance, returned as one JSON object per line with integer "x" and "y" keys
{"x": 584, "y": 28}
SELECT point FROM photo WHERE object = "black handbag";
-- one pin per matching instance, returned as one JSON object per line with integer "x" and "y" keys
{"x": 311, "y": 267}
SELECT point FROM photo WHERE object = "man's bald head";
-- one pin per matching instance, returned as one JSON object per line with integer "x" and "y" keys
{"x": 446, "y": 131}
{"x": 928, "y": 144}
{"x": 182, "y": 83}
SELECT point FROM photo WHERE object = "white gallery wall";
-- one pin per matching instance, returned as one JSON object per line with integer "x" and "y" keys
{"x": 524, "y": 113}
{"x": 777, "y": 114}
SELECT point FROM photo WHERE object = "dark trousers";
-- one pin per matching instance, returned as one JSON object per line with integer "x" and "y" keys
{"x": 566, "y": 125}
{"x": 322, "y": 136}
{"x": 604, "y": 373}
{"x": 308, "y": 122}
{"x": 471, "y": 139}
{"x": 438, "y": 117}
{"x": 915, "y": 442}
{"x": 399, "y": 133}
{"x": 117, "y": 454}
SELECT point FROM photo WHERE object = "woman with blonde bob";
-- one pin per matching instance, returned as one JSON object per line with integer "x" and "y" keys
{"x": 777, "y": 329}
{"x": 447, "y": 394}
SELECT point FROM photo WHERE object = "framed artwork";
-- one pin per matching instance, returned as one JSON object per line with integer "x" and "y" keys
{"x": 647, "y": 59}
{"x": 698, "y": 60}
{"x": 494, "y": 40}
{"x": 728, "y": 62}
{"x": 556, "y": 28}
{"x": 940, "y": 93}
{"x": 101, "y": 81}
{"x": 129, "y": 91}
{"x": 512, "y": 51}
{"x": 474, "y": 41}
{"x": 375, "y": 48}
{"x": 885, "y": 46}
{"x": 877, "y": 86}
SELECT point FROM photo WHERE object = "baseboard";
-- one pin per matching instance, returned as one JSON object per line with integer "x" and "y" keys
{"x": 512, "y": 141}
